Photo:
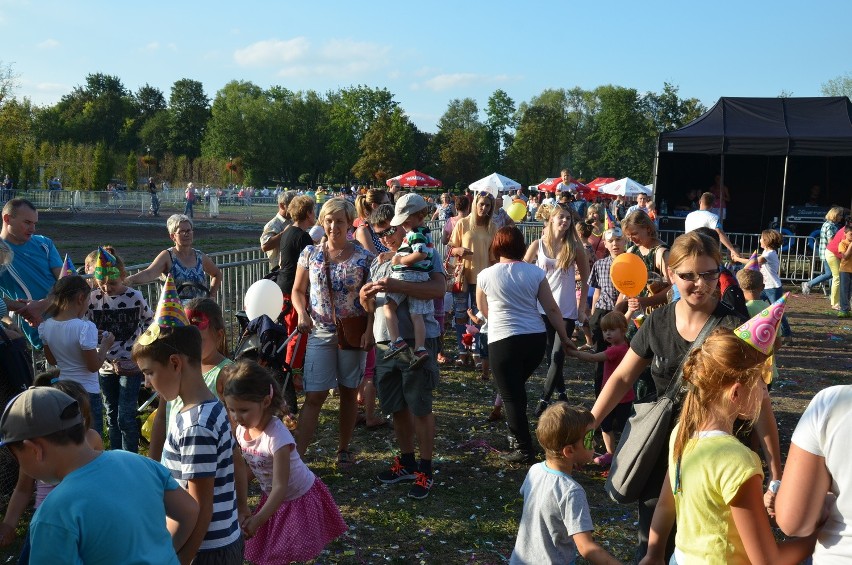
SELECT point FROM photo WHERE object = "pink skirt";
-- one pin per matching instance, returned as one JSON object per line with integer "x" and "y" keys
{"x": 299, "y": 530}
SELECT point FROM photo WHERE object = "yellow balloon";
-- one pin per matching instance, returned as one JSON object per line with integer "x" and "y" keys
{"x": 629, "y": 274}
{"x": 517, "y": 211}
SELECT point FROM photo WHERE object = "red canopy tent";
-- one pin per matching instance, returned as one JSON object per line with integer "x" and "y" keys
{"x": 415, "y": 178}
{"x": 550, "y": 184}
{"x": 599, "y": 182}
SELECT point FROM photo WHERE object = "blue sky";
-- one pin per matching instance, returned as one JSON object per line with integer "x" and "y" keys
{"x": 432, "y": 51}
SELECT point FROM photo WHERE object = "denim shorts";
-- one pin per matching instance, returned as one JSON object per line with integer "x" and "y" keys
{"x": 326, "y": 366}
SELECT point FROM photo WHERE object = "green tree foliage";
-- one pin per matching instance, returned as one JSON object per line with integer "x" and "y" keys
{"x": 623, "y": 134}
{"x": 668, "y": 111}
{"x": 131, "y": 171}
{"x": 189, "y": 110}
{"x": 499, "y": 129}
{"x": 389, "y": 146}
{"x": 838, "y": 86}
{"x": 101, "y": 169}
{"x": 459, "y": 143}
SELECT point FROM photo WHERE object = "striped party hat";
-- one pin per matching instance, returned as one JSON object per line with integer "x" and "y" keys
{"x": 68, "y": 267}
{"x": 760, "y": 331}
{"x": 169, "y": 313}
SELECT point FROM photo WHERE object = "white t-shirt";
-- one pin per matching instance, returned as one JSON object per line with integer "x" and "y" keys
{"x": 823, "y": 430}
{"x": 562, "y": 283}
{"x": 67, "y": 340}
{"x": 771, "y": 269}
{"x": 700, "y": 219}
{"x": 512, "y": 290}
{"x": 259, "y": 452}
{"x": 555, "y": 509}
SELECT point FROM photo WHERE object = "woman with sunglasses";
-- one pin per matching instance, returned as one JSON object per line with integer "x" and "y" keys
{"x": 189, "y": 267}
{"x": 471, "y": 243}
{"x": 366, "y": 204}
{"x": 560, "y": 254}
{"x": 662, "y": 342}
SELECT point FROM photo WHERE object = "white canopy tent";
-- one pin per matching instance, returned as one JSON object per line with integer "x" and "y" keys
{"x": 494, "y": 184}
{"x": 625, "y": 187}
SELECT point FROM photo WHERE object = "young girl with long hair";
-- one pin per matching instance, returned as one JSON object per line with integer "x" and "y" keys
{"x": 714, "y": 483}
{"x": 560, "y": 254}
{"x": 297, "y": 516}
{"x": 641, "y": 231}
{"x": 73, "y": 343}
{"x": 122, "y": 311}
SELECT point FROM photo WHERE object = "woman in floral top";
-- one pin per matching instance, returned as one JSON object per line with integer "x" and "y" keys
{"x": 326, "y": 366}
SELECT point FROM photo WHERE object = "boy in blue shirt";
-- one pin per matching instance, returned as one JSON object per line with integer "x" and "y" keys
{"x": 107, "y": 507}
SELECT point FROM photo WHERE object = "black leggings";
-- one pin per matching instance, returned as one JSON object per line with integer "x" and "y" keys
{"x": 513, "y": 360}
{"x": 555, "y": 380}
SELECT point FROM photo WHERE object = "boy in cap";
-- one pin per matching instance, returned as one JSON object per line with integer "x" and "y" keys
{"x": 413, "y": 262}
{"x": 107, "y": 507}
{"x": 199, "y": 448}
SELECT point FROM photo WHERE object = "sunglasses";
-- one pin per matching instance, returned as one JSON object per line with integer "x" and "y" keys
{"x": 708, "y": 276}
{"x": 589, "y": 439}
{"x": 613, "y": 233}
{"x": 387, "y": 233}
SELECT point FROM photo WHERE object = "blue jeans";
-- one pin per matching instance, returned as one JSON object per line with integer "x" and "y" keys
{"x": 461, "y": 302}
{"x": 96, "y": 406}
{"x": 771, "y": 295}
{"x": 187, "y": 209}
{"x": 845, "y": 289}
{"x": 826, "y": 275}
{"x": 121, "y": 398}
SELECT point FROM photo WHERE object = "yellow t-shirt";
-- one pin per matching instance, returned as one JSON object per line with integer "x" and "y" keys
{"x": 712, "y": 470}
{"x": 477, "y": 239}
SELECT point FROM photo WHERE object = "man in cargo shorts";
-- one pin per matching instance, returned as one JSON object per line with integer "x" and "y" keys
{"x": 405, "y": 393}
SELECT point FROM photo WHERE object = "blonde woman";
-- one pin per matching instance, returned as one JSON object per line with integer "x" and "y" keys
{"x": 471, "y": 242}
{"x": 343, "y": 266}
{"x": 366, "y": 204}
{"x": 560, "y": 254}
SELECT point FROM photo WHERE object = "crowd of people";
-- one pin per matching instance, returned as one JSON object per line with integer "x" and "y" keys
{"x": 366, "y": 289}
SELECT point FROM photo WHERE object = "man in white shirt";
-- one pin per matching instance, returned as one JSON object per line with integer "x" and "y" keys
{"x": 641, "y": 204}
{"x": 704, "y": 218}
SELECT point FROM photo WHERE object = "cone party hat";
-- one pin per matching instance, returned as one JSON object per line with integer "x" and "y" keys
{"x": 68, "y": 267}
{"x": 753, "y": 264}
{"x": 760, "y": 332}
{"x": 169, "y": 313}
{"x": 106, "y": 266}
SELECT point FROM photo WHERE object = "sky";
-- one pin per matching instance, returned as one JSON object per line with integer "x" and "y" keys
{"x": 432, "y": 51}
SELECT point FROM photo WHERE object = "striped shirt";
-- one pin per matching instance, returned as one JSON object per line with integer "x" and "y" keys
{"x": 201, "y": 445}
{"x": 826, "y": 234}
{"x": 599, "y": 278}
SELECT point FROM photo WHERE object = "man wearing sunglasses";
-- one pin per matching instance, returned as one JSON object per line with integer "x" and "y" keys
{"x": 404, "y": 393}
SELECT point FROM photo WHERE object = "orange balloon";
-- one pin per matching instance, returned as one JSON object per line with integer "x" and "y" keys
{"x": 629, "y": 274}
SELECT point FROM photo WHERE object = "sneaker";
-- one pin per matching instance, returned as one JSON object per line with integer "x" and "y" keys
{"x": 539, "y": 410}
{"x": 806, "y": 289}
{"x": 604, "y": 460}
{"x": 421, "y": 487}
{"x": 397, "y": 473}
{"x": 518, "y": 456}
{"x": 396, "y": 348}
{"x": 420, "y": 357}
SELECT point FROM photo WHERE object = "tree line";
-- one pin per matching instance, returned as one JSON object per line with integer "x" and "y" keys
{"x": 359, "y": 134}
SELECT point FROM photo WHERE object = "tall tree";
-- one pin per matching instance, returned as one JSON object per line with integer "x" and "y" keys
{"x": 624, "y": 134}
{"x": 390, "y": 145}
{"x": 499, "y": 129}
{"x": 189, "y": 111}
{"x": 462, "y": 115}
{"x": 838, "y": 86}
{"x": 149, "y": 101}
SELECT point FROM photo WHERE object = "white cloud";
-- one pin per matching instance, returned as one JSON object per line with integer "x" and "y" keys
{"x": 448, "y": 81}
{"x": 48, "y": 44}
{"x": 153, "y": 46}
{"x": 297, "y": 57}
{"x": 270, "y": 52}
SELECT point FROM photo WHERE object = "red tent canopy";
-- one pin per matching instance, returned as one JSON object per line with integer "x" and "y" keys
{"x": 549, "y": 184}
{"x": 415, "y": 178}
{"x": 600, "y": 181}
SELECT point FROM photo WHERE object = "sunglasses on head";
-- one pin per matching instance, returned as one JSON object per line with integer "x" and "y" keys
{"x": 613, "y": 233}
{"x": 387, "y": 233}
{"x": 708, "y": 276}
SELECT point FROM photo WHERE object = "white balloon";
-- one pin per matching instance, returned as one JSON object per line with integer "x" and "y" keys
{"x": 264, "y": 297}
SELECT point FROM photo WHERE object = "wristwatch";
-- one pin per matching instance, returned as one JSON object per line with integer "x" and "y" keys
{"x": 774, "y": 486}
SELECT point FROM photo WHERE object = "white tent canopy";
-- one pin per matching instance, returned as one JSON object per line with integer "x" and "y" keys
{"x": 494, "y": 184}
{"x": 624, "y": 187}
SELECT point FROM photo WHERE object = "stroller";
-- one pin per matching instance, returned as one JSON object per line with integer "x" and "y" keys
{"x": 265, "y": 341}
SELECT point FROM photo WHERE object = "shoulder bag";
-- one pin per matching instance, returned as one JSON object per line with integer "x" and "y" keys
{"x": 646, "y": 435}
{"x": 349, "y": 330}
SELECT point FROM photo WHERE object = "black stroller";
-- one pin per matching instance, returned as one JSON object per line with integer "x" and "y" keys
{"x": 265, "y": 341}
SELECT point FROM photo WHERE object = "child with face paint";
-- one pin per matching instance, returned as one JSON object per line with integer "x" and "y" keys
{"x": 122, "y": 311}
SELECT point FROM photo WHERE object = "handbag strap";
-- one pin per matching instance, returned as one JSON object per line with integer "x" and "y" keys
{"x": 328, "y": 282}
{"x": 677, "y": 382}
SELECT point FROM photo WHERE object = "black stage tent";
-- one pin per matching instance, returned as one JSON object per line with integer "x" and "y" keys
{"x": 770, "y": 152}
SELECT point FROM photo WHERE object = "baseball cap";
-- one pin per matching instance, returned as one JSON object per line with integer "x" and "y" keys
{"x": 407, "y": 205}
{"x": 38, "y": 412}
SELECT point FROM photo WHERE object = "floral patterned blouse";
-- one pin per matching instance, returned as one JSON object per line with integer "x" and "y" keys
{"x": 347, "y": 278}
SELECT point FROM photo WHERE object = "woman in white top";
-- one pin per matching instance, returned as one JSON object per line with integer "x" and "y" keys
{"x": 508, "y": 294}
{"x": 560, "y": 254}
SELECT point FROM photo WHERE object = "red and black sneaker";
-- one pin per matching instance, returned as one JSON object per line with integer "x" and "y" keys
{"x": 421, "y": 487}
{"x": 397, "y": 473}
